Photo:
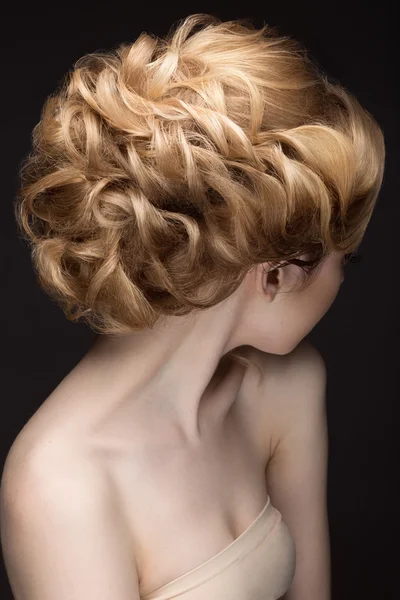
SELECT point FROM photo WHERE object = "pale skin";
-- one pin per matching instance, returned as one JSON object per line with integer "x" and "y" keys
{"x": 145, "y": 435}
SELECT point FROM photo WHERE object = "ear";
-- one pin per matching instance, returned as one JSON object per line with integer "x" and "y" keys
{"x": 270, "y": 278}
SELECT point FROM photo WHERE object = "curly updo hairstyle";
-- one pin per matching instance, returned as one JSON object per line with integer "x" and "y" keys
{"x": 163, "y": 171}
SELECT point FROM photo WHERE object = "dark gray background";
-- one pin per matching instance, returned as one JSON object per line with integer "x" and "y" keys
{"x": 358, "y": 337}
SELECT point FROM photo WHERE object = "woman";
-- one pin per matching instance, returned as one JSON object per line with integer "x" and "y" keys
{"x": 193, "y": 199}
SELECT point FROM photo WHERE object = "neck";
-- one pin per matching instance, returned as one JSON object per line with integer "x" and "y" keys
{"x": 176, "y": 371}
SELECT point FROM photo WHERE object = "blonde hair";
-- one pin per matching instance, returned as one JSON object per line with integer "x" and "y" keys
{"x": 163, "y": 171}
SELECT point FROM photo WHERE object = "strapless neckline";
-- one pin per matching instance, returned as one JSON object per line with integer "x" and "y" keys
{"x": 254, "y": 534}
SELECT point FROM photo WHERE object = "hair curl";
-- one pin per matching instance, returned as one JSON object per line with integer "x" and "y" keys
{"x": 163, "y": 171}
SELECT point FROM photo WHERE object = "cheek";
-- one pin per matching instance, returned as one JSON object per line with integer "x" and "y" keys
{"x": 315, "y": 301}
{"x": 326, "y": 290}
{"x": 300, "y": 312}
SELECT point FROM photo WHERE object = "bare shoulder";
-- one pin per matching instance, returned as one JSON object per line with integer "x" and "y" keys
{"x": 296, "y": 477}
{"x": 306, "y": 359}
{"x": 61, "y": 534}
{"x": 41, "y": 463}
{"x": 46, "y": 474}
{"x": 303, "y": 360}
{"x": 291, "y": 386}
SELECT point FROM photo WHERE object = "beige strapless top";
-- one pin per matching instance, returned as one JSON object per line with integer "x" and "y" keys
{"x": 258, "y": 565}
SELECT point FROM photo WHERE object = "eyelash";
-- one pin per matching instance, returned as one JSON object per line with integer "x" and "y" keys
{"x": 353, "y": 257}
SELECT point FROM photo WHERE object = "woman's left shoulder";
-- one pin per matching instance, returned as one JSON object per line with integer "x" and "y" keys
{"x": 290, "y": 385}
{"x": 307, "y": 358}
{"x": 304, "y": 359}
